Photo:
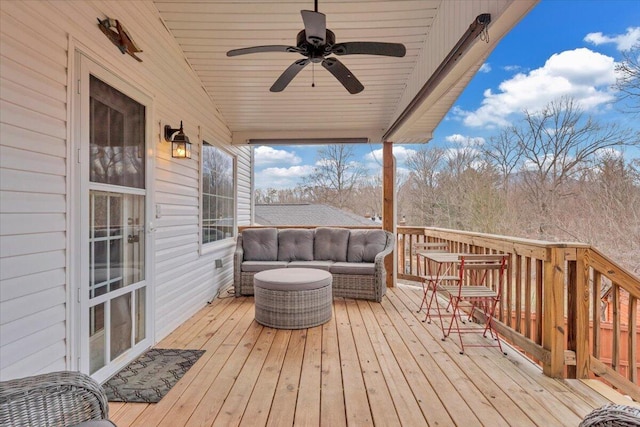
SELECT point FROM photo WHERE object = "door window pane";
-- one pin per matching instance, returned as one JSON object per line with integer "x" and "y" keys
{"x": 97, "y": 338}
{"x": 141, "y": 313}
{"x": 121, "y": 325}
{"x": 117, "y": 137}
{"x": 117, "y": 245}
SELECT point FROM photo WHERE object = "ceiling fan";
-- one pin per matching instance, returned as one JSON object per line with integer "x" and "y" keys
{"x": 316, "y": 42}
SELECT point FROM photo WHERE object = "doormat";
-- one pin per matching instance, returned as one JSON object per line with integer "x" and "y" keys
{"x": 148, "y": 378}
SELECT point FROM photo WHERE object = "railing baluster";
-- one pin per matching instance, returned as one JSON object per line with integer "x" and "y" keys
{"x": 573, "y": 325}
{"x": 633, "y": 340}
{"x": 518, "y": 285}
{"x": 539, "y": 279}
{"x": 509, "y": 296}
{"x": 597, "y": 314}
{"x": 615, "y": 342}
{"x": 527, "y": 298}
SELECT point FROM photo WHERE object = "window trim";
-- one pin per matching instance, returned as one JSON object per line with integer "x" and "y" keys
{"x": 206, "y": 248}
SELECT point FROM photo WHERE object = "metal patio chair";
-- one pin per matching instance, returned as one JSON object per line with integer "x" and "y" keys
{"x": 479, "y": 288}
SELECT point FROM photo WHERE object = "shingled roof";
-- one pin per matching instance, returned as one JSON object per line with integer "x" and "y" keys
{"x": 307, "y": 214}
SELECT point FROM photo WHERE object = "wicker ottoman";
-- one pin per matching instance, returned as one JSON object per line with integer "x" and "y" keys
{"x": 292, "y": 298}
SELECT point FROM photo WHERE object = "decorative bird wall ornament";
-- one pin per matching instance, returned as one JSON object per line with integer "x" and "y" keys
{"x": 115, "y": 31}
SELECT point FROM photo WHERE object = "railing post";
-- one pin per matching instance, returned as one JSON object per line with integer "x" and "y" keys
{"x": 553, "y": 332}
{"x": 583, "y": 352}
{"x": 578, "y": 299}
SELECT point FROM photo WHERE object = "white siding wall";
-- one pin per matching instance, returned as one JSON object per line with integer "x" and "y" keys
{"x": 34, "y": 182}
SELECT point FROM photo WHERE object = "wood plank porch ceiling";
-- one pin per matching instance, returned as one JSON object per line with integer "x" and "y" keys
{"x": 372, "y": 364}
{"x": 206, "y": 29}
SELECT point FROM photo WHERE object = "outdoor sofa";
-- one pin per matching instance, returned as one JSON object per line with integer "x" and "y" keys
{"x": 354, "y": 257}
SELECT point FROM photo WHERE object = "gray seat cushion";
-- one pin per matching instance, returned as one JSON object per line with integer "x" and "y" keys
{"x": 331, "y": 244}
{"x": 358, "y": 268}
{"x": 260, "y": 244}
{"x": 294, "y": 279}
{"x": 295, "y": 245}
{"x": 255, "y": 266}
{"x": 364, "y": 245}
{"x": 320, "y": 265}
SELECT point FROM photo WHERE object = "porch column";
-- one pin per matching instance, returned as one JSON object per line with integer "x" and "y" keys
{"x": 389, "y": 206}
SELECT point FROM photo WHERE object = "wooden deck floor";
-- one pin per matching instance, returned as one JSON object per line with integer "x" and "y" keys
{"x": 372, "y": 364}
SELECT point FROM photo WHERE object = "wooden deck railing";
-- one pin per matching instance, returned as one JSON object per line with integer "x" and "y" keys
{"x": 552, "y": 305}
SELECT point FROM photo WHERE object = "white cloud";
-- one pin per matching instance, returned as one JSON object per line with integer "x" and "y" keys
{"x": 468, "y": 152}
{"x": 511, "y": 67}
{"x": 581, "y": 74}
{"x": 485, "y": 68}
{"x": 275, "y": 177}
{"x": 623, "y": 41}
{"x": 465, "y": 141}
{"x": 265, "y": 156}
{"x": 608, "y": 153}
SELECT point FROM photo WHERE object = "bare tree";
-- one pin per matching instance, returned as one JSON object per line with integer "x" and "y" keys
{"x": 504, "y": 152}
{"x": 421, "y": 185}
{"x": 606, "y": 213}
{"x": 335, "y": 175}
{"x": 367, "y": 196}
{"x": 469, "y": 193}
{"x": 628, "y": 79}
{"x": 557, "y": 143}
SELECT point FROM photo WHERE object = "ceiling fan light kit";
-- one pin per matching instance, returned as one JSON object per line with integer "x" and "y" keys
{"x": 316, "y": 43}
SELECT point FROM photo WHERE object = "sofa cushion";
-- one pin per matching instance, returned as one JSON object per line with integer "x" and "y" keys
{"x": 295, "y": 245}
{"x": 364, "y": 245}
{"x": 260, "y": 244}
{"x": 358, "y": 268}
{"x": 321, "y": 265}
{"x": 331, "y": 244}
{"x": 255, "y": 266}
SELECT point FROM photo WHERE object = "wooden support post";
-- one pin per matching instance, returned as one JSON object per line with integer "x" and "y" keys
{"x": 388, "y": 204}
{"x": 553, "y": 333}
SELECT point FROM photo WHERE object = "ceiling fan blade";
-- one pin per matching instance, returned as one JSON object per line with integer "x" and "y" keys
{"x": 315, "y": 26}
{"x": 344, "y": 76}
{"x": 369, "y": 48}
{"x": 288, "y": 75}
{"x": 260, "y": 49}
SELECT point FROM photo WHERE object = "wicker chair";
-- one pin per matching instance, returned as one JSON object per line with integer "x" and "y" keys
{"x": 53, "y": 399}
{"x": 613, "y": 415}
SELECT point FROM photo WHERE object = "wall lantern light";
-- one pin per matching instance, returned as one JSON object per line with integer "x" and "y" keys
{"x": 180, "y": 145}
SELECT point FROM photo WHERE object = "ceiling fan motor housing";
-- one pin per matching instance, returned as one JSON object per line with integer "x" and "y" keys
{"x": 315, "y": 52}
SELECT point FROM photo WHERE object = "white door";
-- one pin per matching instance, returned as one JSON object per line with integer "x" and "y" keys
{"x": 113, "y": 268}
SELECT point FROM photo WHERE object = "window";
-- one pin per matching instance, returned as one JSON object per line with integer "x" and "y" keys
{"x": 218, "y": 202}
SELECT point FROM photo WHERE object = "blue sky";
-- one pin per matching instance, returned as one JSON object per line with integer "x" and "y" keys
{"x": 562, "y": 47}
